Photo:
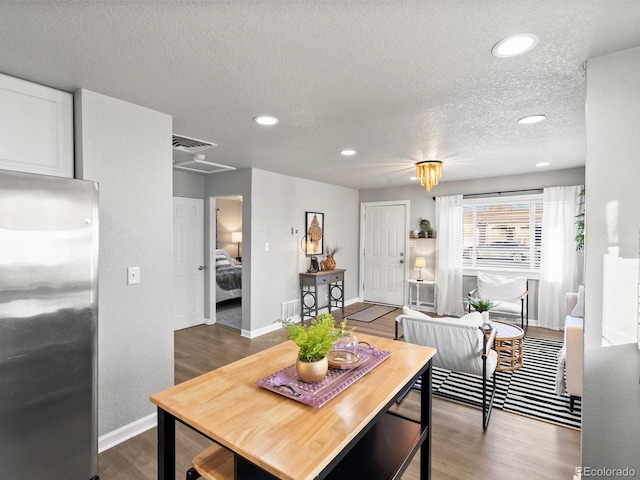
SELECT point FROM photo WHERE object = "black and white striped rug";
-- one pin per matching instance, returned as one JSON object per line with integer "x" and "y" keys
{"x": 529, "y": 391}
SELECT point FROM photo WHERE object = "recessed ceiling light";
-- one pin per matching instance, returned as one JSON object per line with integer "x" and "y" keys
{"x": 267, "y": 120}
{"x": 515, "y": 45}
{"x": 532, "y": 119}
{"x": 543, "y": 164}
{"x": 348, "y": 152}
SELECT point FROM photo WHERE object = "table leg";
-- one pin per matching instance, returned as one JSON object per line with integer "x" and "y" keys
{"x": 166, "y": 446}
{"x": 425, "y": 421}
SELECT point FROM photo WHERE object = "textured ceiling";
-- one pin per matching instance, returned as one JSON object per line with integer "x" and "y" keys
{"x": 398, "y": 81}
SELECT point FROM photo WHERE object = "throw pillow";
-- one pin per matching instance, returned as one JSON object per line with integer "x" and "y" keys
{"x": 473, "y": 319}
{"x": 578, "y": 310}
{"x": 222, "y": 260}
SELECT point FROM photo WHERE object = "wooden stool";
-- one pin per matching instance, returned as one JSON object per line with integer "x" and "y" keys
{"x": 508, "y": 345}
{"x": 215, "y": 463}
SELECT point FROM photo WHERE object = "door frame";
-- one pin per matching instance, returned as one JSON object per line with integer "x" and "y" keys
{"x": 363, "y": 207}
{"x": 210, "y": 257}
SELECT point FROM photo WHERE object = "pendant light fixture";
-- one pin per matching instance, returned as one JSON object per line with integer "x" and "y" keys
{"x": 429, "y": 172}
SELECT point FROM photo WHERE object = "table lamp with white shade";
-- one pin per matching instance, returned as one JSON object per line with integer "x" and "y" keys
{"x": 420, "y": 264}
{"x": 236, "y": 237}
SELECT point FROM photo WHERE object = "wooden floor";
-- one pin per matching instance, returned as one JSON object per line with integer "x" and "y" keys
{"x": 513, "y": 446}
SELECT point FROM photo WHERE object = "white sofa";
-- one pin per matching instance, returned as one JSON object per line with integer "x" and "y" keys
{"x": 461, "y": 345}
{"x": 571, "y": 359}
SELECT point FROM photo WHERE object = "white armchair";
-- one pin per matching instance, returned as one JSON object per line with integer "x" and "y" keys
{"x": 461, "y": 345}
{"x": 510, "y": 296}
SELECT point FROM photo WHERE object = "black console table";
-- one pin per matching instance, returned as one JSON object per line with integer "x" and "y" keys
{"x": 309, "y": 287}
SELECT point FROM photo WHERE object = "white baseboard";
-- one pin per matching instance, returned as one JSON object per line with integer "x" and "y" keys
{"x": 275, "y": 326}
{"x": 111, "y": 439}
{"x": 260, "y": 331}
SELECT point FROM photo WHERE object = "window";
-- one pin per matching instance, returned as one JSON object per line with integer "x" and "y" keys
{"x": 502, "y": 233}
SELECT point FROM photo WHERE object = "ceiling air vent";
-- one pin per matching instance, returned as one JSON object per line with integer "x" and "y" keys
{"x": 190, "y": 145}
{"x": 198, "y": 164}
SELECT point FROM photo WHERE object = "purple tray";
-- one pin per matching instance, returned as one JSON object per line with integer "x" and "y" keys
{"x": 287, "y": 383}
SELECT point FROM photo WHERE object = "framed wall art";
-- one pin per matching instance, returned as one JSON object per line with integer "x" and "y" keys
{"x": 314, "y": 233}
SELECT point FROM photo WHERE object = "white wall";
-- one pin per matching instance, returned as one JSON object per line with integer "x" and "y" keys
{"x": 189, "y": 185}
{"x": 127, "y": 149}
{"x": 276, "y": 204}
{"x": 423, "y": 205}
{"x": 279, "y": 203}
{"x": 611, "y": 411}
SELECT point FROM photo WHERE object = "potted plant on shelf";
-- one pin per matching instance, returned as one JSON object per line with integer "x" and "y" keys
{"x": 330, "y": 262}
{"x": 426, "y": 231}
{"x": 314, "y": 342}
{"x": 482, "y": 305}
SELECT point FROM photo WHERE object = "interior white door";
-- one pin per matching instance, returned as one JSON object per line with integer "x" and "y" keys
{"x": 188, "y": 259}
{"x": 384, "y": 253}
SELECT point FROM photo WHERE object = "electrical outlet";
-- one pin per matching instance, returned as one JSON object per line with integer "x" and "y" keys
{"x": 133, "y": 275}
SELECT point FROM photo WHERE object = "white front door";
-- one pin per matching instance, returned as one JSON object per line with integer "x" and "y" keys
{"x": 188, "y": 261}
{"x": 384, "y": 241}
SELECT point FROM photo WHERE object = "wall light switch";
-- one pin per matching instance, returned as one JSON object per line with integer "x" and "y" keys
{"x": 294, "y": 231}
{"x": 266, "y": 247}
{"x": 133, "y": 275}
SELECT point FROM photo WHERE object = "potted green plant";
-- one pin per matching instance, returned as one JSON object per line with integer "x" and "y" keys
{"x": 580, "y": 222}
{"x": 314, "y": 342}
{"x": 426, "y": 231}
{"x": 482, "y": 305}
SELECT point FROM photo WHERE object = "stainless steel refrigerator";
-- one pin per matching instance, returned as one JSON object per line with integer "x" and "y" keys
{"x": 48, "y": 327}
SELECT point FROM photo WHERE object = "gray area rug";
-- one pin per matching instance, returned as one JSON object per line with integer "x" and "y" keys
{"x": 229, "y": 313}
{"x": 528, "y": 391}
{"x": 371, "y": 313}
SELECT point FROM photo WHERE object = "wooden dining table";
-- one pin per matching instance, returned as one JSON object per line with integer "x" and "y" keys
{"x": 353, "y": 435}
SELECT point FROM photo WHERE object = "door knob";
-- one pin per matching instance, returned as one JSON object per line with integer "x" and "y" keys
{"x": 401, "y": 261}
{"x": 201, "y": 267}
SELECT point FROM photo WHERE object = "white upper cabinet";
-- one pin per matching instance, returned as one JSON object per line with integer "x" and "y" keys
{"x": 36, "y": 128}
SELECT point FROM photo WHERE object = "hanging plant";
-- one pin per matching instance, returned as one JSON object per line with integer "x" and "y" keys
{"x": 580, "y": 222}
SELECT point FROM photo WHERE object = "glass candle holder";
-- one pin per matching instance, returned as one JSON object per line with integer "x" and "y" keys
{"x": 344, "y": 351}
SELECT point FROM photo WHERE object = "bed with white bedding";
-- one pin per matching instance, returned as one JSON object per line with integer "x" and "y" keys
{"x": 228, "y": 277}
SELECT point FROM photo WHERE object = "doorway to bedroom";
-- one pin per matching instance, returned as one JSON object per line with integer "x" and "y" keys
{"x": 228, "y": 262}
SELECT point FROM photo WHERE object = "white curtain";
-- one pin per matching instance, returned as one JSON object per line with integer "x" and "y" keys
{"x": 449, "y": 274}
{"x": 559, "y": 267}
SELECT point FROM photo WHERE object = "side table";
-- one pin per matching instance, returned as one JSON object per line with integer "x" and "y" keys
{"x": 309, "y": 287}
{"x": 508, "y": 345}
{"x": 418, "y": 284}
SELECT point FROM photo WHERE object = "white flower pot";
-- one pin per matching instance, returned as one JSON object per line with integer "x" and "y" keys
{"x": 485, "y": 317}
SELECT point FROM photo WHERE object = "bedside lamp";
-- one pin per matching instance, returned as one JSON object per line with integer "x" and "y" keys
{"x": 236, "y": 237}
{"x": 420, "y": 264}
